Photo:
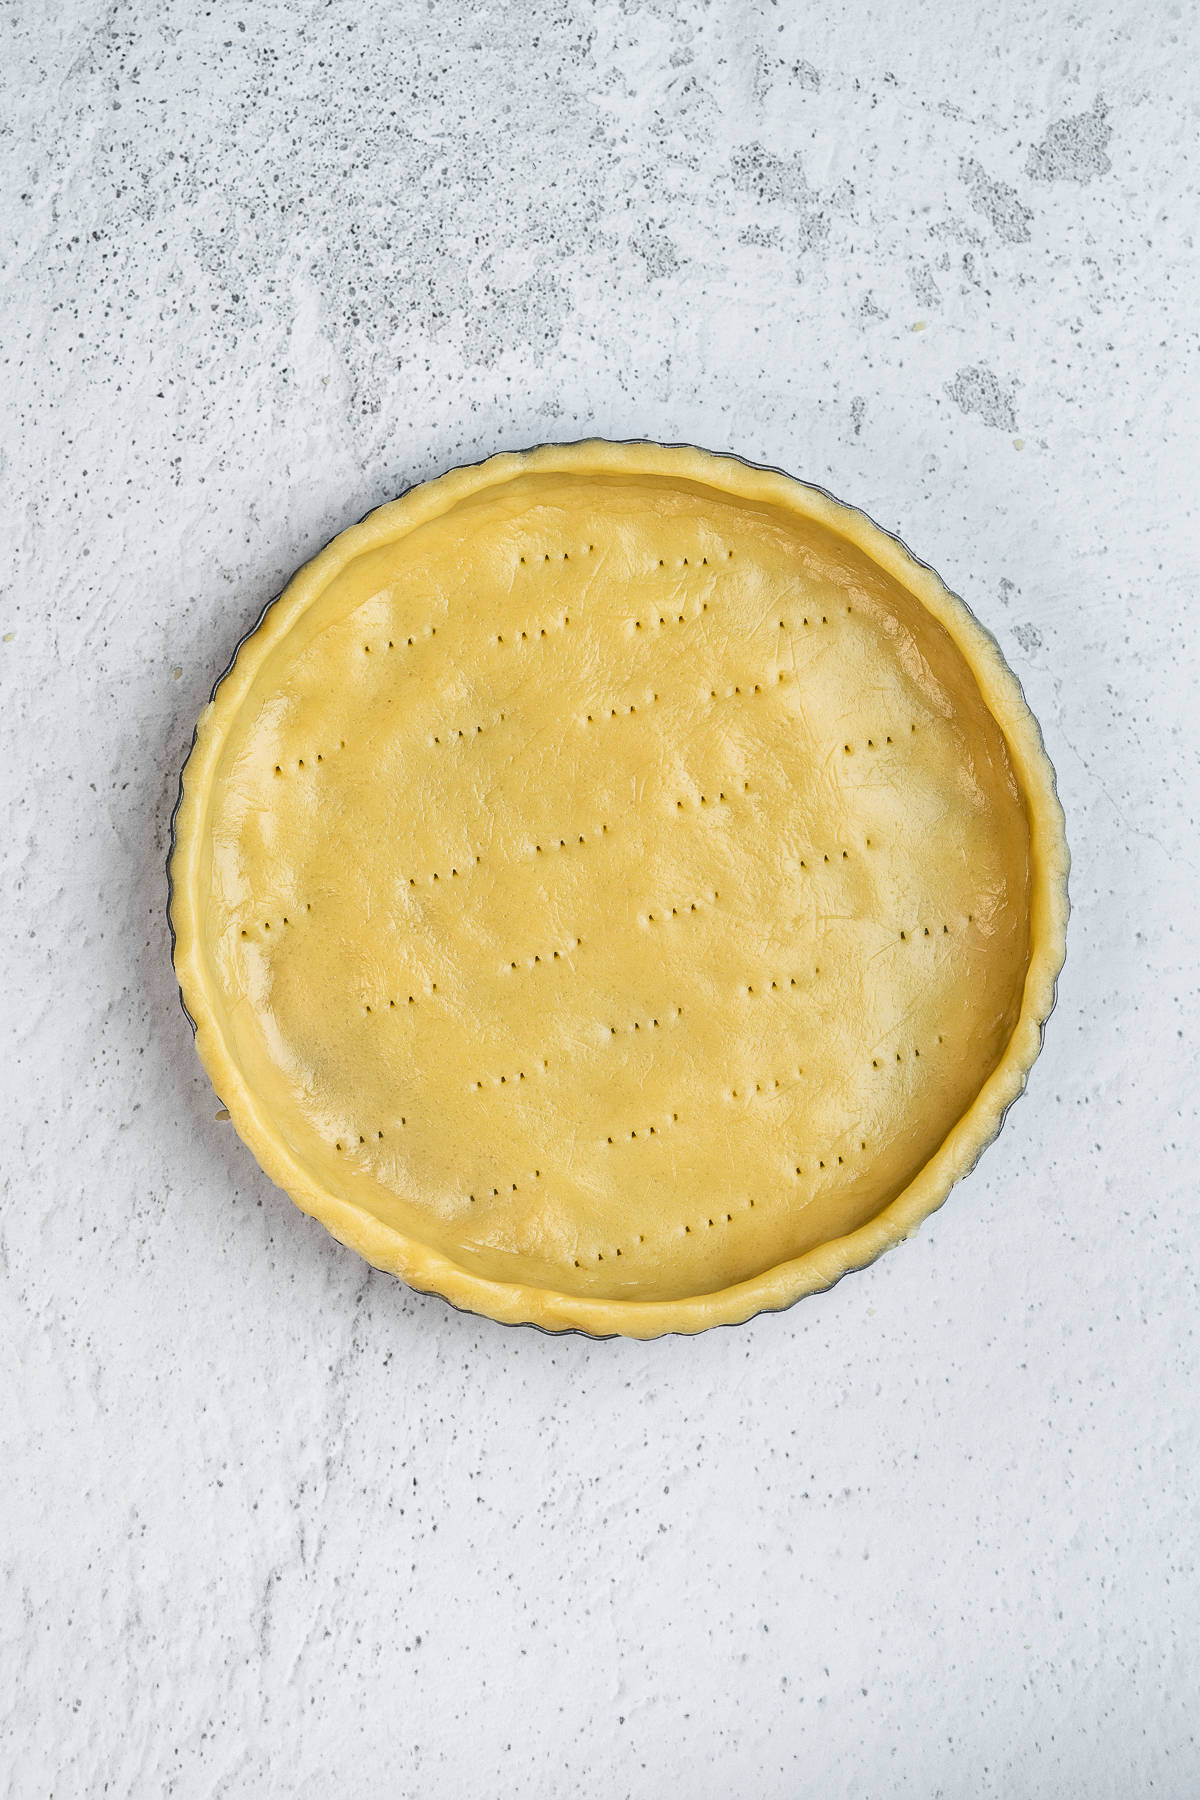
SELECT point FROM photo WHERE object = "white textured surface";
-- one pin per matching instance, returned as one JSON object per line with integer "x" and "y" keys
{"x": 270, "y": 1524}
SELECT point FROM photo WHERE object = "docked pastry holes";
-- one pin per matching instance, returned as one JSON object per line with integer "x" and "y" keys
{"x": 561, "y": 953}
{"x": 669, "y": 882}
{"x": 453, "y": 735}
{"x": 508, "y": 1078}
{"x": 313, "y": 760}
{"x": 624, "y": 709}
{"x": 572, "y": 840}
{"x": 683, "y": 909}
{"x": 450, "y": 872}
{"x": 655, "y": 1128}
{"x": 670, "y": 1016}
{"x": 534, "y": 631}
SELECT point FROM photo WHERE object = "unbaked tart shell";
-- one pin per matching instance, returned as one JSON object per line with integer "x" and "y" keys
{"x": 618, "y": 888}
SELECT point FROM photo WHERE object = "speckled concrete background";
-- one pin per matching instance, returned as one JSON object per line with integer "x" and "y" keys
{"x": 270, "y": 1524}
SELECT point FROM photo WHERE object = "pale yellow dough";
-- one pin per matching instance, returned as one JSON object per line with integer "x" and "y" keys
{"x": 617, "y": 887}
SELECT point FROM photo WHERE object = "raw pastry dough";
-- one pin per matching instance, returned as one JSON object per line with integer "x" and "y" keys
{"x": 618, "y": 887}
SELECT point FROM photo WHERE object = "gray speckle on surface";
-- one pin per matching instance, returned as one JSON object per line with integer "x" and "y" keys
{"x": 778, "y": 181}
{"x": 771, "y": 70}
{"x": 999, "y": 203}
{"x": 657, "y": 250}
{"x": 762, "y": 237}
{"x": 1074, "y": 149}
{"x": 531, "y": 312}
{"x": 978, "y": 390}
{"x": 270, "y": 1524}
{"x": 805, "y": 76}
{"x": 924, "y": 286}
